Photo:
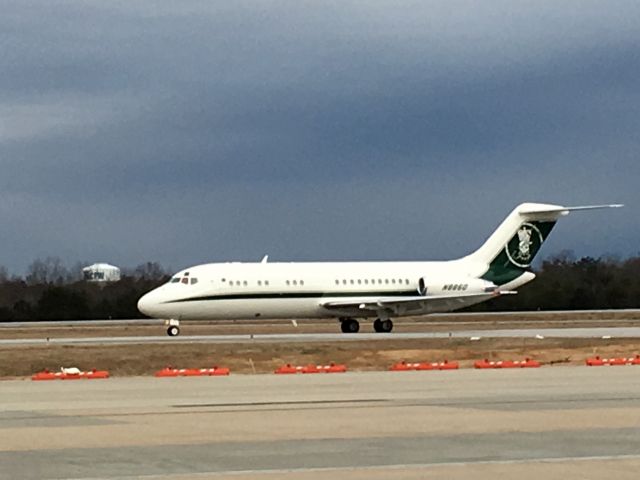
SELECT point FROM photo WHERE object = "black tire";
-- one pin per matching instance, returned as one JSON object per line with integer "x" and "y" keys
{"x": 382, "y": 326}
{"x": 349, "y": 325}
{"x": 173, "y": 331}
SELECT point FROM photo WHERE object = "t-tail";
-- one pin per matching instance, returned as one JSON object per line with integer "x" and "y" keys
{"x": 509, "y": 252}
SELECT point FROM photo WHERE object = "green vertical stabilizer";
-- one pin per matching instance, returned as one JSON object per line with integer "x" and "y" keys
{"x": 518, "y": 254}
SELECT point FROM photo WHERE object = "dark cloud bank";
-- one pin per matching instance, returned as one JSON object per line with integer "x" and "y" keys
{"x": 210, "y": 131}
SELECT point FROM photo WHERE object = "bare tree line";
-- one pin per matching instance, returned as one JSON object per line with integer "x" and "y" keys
{"x": 53, "y": 271}
{"x": 51, "y": 291}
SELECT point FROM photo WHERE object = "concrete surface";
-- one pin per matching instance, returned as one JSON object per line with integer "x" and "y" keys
{"x": 613, "y": 332}
{"x": 569, "y": 422}
{"x": 443, "y": 316}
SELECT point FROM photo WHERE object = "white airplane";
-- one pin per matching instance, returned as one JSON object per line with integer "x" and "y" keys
{"x": 350, "y": 290}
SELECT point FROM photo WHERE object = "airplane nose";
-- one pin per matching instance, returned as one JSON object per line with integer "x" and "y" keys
{"x": 146, "y": 304}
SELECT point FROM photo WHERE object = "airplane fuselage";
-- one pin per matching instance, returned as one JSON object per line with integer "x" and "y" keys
{"x": 299, "y": 290}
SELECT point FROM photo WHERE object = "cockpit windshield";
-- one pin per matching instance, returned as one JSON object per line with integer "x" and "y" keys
{"x": 185, "y": 279}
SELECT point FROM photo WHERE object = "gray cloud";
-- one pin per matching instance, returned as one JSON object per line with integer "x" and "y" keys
{"x": 211, "y": 131}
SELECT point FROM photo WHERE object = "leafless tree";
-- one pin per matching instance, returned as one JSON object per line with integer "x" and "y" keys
{"x": 149, "y": 271}
{"x": 51, "y": 270}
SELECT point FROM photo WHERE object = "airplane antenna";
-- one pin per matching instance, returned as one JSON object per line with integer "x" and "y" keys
{"x": 265, "y": 259}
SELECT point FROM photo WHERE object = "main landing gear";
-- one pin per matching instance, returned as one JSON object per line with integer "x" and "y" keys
{"x": 382, "y": 326}
{"x": 174, "y": 327}
{"x": 351, "y": 325}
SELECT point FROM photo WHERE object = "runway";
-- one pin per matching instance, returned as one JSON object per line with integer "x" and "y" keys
{"x": 444, "y": 317}
{"x": 602, "y": 332}
{"x": 563, "y": 422}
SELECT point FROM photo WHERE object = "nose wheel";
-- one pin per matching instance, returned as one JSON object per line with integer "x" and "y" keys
{"x": 174, "y": 327}
{"x": 382, "y": 326}
{"x": 349, "y": 325}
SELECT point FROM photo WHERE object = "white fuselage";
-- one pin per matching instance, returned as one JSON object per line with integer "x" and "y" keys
{"x": 299, "y": 290}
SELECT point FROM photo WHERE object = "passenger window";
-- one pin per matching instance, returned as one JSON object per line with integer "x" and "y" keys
{"x": 266, "y": 282}
{"x": 351, "y": 281}
{"x": 288, "y": 282}
{"x": 344, "y": 282}
{"x": 295, "y": 282}
{"x": 301, "y": 282}
{"x": 359, "y": 282}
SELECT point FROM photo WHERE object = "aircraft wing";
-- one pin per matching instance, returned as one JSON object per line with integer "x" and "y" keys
{"x": 406, "y": 305}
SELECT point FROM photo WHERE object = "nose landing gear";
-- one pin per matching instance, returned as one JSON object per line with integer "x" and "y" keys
{"x": 174, "y": 327}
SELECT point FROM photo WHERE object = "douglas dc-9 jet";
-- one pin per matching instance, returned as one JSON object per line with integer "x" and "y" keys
{"x": 347, "y": 291}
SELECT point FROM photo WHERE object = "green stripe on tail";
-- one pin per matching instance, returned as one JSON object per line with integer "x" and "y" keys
{"x": 518, "y": 254}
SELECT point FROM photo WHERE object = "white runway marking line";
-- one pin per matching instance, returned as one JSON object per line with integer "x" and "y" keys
{"x": 520, "y": 461}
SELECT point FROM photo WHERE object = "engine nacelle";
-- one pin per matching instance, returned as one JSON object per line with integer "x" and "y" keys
{"x": 452, "y": 286}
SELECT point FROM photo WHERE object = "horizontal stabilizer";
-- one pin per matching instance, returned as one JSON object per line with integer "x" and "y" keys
{"x": 536, "y": 208}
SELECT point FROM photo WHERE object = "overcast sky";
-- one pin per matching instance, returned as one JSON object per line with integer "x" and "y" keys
{"x": 185, "y": 132}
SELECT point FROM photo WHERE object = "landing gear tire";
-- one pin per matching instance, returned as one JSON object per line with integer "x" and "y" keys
{"x": 349, "y": 325}
{"x": 382, "y": 326}
{"x": 173, "y": 331}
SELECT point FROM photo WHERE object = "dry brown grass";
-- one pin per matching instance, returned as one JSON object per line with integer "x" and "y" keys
{"x": 124, "y": 360}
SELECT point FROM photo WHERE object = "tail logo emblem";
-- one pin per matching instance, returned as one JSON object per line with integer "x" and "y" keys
{"x": 523, "y": 246}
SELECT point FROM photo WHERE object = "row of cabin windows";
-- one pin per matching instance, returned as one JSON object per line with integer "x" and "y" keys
{"x": 244, "y": 283}
{"x": 455, "y": 287}
{"x": 373, "y": 281}
{"x": 359, "y": 281}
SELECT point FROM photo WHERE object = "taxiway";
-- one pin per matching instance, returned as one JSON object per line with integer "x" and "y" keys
{"x": 566, "y": 422}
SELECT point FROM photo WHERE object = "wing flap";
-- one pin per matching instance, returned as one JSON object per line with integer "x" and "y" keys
{"x": 406, "y": 305}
